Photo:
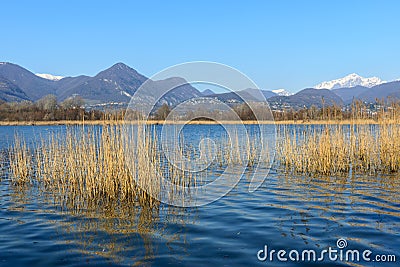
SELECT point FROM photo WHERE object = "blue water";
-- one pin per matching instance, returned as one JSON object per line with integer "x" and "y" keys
{"x": 287, "y": 212}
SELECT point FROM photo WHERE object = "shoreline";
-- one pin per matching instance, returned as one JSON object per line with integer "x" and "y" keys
{"x": 160, "y": 122}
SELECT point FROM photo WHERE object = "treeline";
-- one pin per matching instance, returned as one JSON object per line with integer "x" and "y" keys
{"x": 47, "y": 109}
{"x": 357, "y": 110}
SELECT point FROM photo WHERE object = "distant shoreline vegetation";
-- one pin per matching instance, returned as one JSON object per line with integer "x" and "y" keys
{"x": 48, "y": 111}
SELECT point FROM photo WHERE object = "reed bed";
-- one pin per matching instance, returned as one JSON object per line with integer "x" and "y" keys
{"x": 20, "y": 162}
{"x": 129, "y": 163}
{"x": 338, "y": 149}
{"x": 86, "y": 165}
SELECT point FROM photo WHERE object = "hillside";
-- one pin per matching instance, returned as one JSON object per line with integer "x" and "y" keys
{"x": 306, "y": 98}
{"x": 114, "y": 85}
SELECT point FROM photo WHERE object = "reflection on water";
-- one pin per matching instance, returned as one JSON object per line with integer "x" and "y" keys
{"x": 341, "y": 200}
{"x": 286, "y": 212}
{"x": 111, "y": 230}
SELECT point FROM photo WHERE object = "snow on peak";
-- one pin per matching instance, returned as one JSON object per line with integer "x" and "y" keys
{"x": 282, "y": 92}
{"x": 350, "y": 80}
{"x": 49, "y": 76}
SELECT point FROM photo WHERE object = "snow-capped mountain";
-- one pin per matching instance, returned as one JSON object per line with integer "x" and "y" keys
{"x": 113, "y": 86}
{"x": 49, "y": 76}
{"x": 350, "y": 80}
{"x": 282, "y": 92}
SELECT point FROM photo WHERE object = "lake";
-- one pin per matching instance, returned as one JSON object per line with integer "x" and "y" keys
{"x": 287, "y": 212}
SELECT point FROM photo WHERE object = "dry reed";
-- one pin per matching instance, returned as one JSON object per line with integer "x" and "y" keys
{"x": 90, "y": 163}
{"x": 340, "y": 149}
{"x": 97, "y": 164}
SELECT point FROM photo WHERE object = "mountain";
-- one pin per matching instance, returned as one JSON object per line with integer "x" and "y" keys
{"x": 33, "y": 86}
{"x": 256, "y": 93}
{"x": 49, "y": 76}
{"x": 207, "y": 92}
{"x": 181, "y": 91}
{"x": 382, "y": 91}
{"x": 117, "y": 84}
{"x": 350, "y": 93}
{"x": 10, "y": 92}
{"x": 70, "y": 82}
{"x": 348, "y": 81}
{"x": 233, "y": 98}
{"x": 306, "y": 98}
{"x": 249, "y": 93}
{"x": 281, "y": 92}
{"x": 114, "y": 85}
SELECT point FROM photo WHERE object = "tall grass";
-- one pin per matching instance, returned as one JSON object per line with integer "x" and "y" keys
{"x": 340, "y": 149}
{"x": 20, "y": 162}
{"x": 88, "y": 164}
{"x": 121, "y": 163}
{"x": 85, "y": 165}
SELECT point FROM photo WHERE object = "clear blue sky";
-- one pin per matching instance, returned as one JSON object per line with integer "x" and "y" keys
{"x": 279, "y": 44}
